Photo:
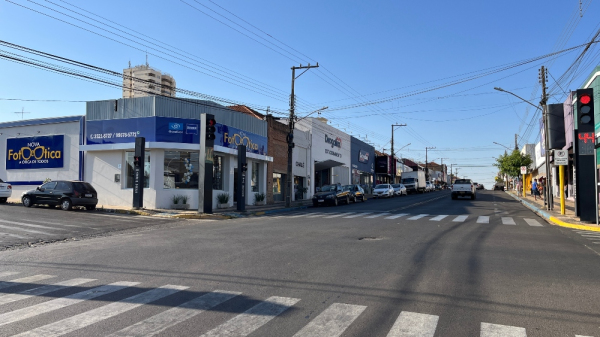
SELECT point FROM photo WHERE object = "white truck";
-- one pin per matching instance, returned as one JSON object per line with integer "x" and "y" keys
{"x": 414, "y": 181}
{"x": 463, "y": 188}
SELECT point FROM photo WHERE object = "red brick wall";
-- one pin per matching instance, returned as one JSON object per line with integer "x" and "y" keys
{"x": 277, "y": 145}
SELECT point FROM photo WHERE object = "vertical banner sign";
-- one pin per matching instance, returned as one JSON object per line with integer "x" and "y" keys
{"x": 241, "y": 181}
{"x": 584, "y": 156}
{"x": 209, "y": 139}
{"x": 138, "y": 172}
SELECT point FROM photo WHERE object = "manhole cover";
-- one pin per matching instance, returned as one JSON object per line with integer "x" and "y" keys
{"x": 370, "y": 238}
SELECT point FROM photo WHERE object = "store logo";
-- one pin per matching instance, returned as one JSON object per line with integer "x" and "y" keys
{"x": 191, "y": 129}
{"x": 299, "y": 164}
{"x": 239, "y": 139}
{"x": 33, "y": 151}
{"x": 176, "y": 126}
{"x": 335, "y": 142}
{"x": 363, "y": 156}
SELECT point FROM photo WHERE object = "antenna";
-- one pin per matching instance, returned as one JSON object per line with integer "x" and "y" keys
{"x": 22, "y": 112}
{"x": 147, "y": 59}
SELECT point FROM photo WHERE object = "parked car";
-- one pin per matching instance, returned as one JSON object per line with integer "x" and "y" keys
{"x": 498, "y": 187}
{"x": 428, "y": 186}
{"x": 331, "y": 195}
{"x": 65, "y": 194}
{"x": 5, "y": 191}
{"x": 356, "y": 193}
{"x": 399, "y": 189}
{"x": 383, "y": 190}
{"x": 480, "y": 186}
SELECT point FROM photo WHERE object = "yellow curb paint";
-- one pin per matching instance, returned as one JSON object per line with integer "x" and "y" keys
{"x": 259, "y": 213}
{"x": 569, "y": 225}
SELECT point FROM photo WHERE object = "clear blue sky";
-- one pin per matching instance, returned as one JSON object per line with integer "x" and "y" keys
{"x": 368, "y": 51}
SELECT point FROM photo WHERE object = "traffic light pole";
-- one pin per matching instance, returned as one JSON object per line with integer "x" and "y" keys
{"x": 290, "y": 136}
{"x": 138, "y": 172}
{"x": 205, "y": 162}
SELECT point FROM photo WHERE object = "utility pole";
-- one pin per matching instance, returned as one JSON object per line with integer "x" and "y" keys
{"x": 516, "y": 145}
{"x": 393, "y": 160}
{"x": 426, "y": 168}
{"x": 290, "y": 136}
{"x": 444, "y": 173}
{"x": 543, "y": 102}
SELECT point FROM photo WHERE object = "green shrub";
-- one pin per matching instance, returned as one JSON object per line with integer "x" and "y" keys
{"x": 175, "y": 199}
{"x": 184, "y": 199}
{"x": 223, "y": 198}
{"x": 258, "y": 197}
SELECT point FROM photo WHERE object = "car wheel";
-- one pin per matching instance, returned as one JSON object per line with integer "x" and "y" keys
{"x": 66, "y": 205}
{"x": 90, "y": 207}
{"x": 347, "y": 200}
{"x": 473, "y": 197}
{"x": 362, "y": 198}
{"x": 27, "y": 202}
{"x": 3, "y": 200}
{"x": 335, "y": 201}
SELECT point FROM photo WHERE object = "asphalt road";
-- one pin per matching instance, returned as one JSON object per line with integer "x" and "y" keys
{"x": 422, "y": 265}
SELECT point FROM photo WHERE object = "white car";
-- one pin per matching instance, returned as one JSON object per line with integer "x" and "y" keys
{"x": 5, "y": 191}
{"x": 383, "y": 190}
{"x": 399, "y": 189}
{"x": 428, "y": 187}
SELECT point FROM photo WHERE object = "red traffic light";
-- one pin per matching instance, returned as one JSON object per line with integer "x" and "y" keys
{"x": 585, "y": 99}
{"x": 211, "y": 122}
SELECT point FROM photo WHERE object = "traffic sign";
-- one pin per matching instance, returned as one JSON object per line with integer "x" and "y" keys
{"x": 523, "y": 169}
{"x": 561, "y": 157}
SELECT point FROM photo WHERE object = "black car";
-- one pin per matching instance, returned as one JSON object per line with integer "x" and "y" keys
{"x": 65, "y": 194}
{"x": 331, "y": 195}
{"x": 356, "y": 193}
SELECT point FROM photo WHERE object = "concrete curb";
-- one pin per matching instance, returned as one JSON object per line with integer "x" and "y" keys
{"x": 553, "y": 220}
{"x": 280, "y": 210}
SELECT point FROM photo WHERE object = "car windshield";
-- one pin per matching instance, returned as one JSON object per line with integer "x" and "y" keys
{"x": 349, "y": 188}
{"x": 408, "y": 180}
{"x": 382, "y": 186}
{"x": 462, "y": 181}
{"x": 396, "y": 185}
{"x": 328, "y": 188}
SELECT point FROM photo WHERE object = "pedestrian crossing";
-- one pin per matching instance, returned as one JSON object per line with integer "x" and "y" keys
{"x": 593, "y": 236}
{"x": 329, "y": 320}
{"x": 407, "y": 218}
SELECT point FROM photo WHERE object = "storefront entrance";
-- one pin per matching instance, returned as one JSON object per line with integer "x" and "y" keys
{"x": 299, "y": 188}
{"x": 279, "y": 181}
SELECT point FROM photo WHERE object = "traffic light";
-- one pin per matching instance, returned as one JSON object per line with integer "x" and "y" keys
{"x": 585, "y": 110}
{"x": 244, "y": 167}
{"x": 210, "y": 129}
{"x": 137, "y": 161}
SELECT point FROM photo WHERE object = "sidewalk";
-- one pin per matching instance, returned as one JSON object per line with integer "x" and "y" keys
{"x": 567, "y": 220}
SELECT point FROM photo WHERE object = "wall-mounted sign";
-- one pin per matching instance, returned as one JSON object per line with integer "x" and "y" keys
{"x": 561, "y": 157}
{"x": 299, "y": 164}
{"x": 231, "y": 137}
{"x": 363, "y": 156}
{"x": 154, "y": 129}
{"x": 35, "y": 152}
{"x": 335, "y": 142}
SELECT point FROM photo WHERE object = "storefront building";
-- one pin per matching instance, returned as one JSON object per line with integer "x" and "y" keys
{"x": 383, "y": 169}
{"x": 363, "y": 162}
{"x": 277, "y": 169}
{"x": 301, "y": 161}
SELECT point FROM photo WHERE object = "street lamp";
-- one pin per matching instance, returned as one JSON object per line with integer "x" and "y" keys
{"x": 517, "y": 96}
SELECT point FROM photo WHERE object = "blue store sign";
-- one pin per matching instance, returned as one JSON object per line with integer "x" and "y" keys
{"x": 155, "y": 129}
{"x": 231, "y": 137}
{"x": 35, "y": 152}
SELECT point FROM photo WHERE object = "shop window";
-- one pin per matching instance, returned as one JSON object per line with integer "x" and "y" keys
{"x": 181, "y": 169}
{"x": 129, "y": 180}
{"x": 278, "y": 186}
{"x": 218, "y": 173}
{"x": 255, "y": 178}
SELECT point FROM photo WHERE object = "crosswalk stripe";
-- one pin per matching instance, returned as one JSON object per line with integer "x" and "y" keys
{"x": 497, "y": 330}
{"x": 417, "y": 217}
{"x": 376, "y": 215}
{"x": 316, "y": 215}
{"x": 28, "y": 279}
{"x": 582, "y": 336}
{"x": 8, "y": 298}
{"x": 357, "y": 215}
{"x": 396, "y": 216}
{"x": 338, "y": 215}
{"x": 460, "y": 218}
{"x": 333, "y": 321}
{"x": 7, "y": 273}
{"x": 438, "y": 218}
{"x": 508, "y": 221}
{"x": 29, "y": 225}
{"x": 533, "y": 222}
{"x": 13, "y": 235}
{"x": 483, "y": 219}
{"x": 59, "y": 303}
{"x": 253, "y": 318}
{"x": 90, "y": 317}
{"x": 412, "y": 324}
{"x": 591, "y": 235}
{"x": 166, "y": 319}
{"x": 23, "y": 229}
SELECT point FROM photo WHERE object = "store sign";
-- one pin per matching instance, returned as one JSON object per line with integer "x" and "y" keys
{"x": 363, "y": 156}
{"x": 35, "y": 152}
{"x": 299, "y": 164}
{"x": 561, "y": 157}
{"x": 335, "y": 142}
{"x": 154, "y": 129}
{"x": 231, "y": 137}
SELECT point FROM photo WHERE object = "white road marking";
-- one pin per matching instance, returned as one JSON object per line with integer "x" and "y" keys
{"x": 13, "y": 235}
{"x": 316, "y": 215}
{"x": 533, "y": 222}
{"x": 59, "y": 303}
{"x": 28, "y": 279}
{"x": 497, "y": 330}
{"x": 460, "y": 218}
{"x": 396, "y": 216}
{"x": 253, "y": 318}
{"x": 582, "y": 336}
{"x": 8, "y": 298}
{"x": 438, "y": 218}
{"x": 23, "y": 229}
{"x": 54, "y": 223}
{"x": 333, "y": 321}
{"x": 7, "y": 273}
{"x": 508, "y": 221}
{"x": 357, "y": 215}
{"x": 166, "y": 319}
{"x": 341, "y": 214}
{"x": 417, "y": 217}
{"x": 412, "y": 324}
{"x": 304, "y": 214}
{"x": 591, "y": 235}
{"x": 376, "y": 215}
{"x": 483, "y": 219}
{"x": 30, "y": 225}
{"x": 90, "y": 317}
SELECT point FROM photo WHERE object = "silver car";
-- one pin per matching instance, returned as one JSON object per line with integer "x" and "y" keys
{"x": 383, "y": 191}
{"x": 399, "y": 189}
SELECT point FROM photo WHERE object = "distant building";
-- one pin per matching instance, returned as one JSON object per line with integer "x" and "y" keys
{"x": 143, "y": 80}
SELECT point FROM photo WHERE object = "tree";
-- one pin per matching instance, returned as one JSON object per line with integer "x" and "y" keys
{"x": 510, "y": 164}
